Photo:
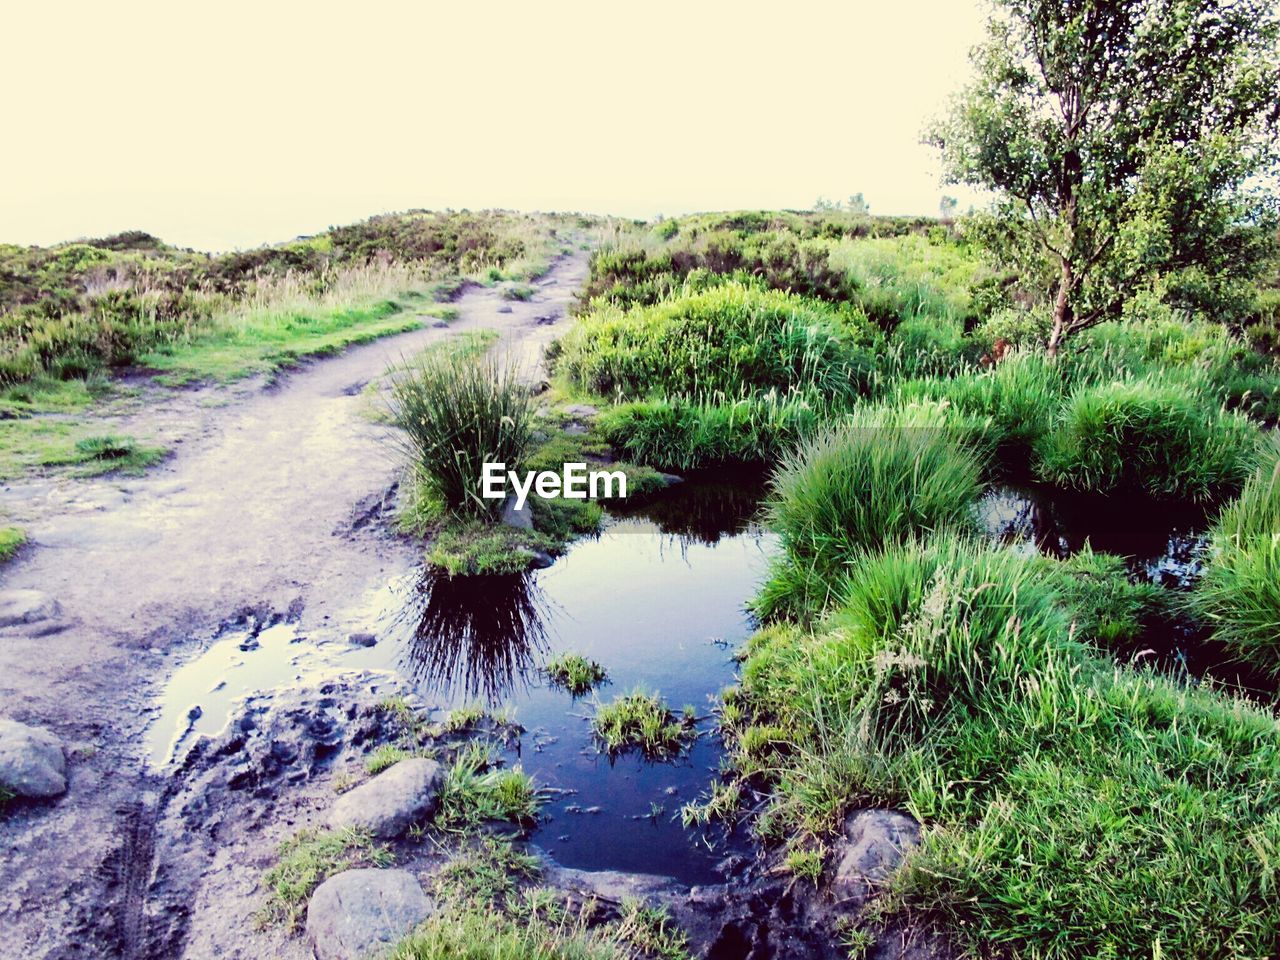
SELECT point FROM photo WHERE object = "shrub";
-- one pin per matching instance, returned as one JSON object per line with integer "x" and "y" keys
{"x": 731, "y": 340}
{"x": 1156, "y": 435}
{"x": 1018, "y": 399}
{"x": 874, "y": 479}
{"x": 1239, "y": 594}
{"x": 458, "y": 414}
{"x": 1072, "y": 808}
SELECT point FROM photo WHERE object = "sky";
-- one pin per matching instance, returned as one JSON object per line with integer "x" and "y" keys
{"x": 228, "y": 125}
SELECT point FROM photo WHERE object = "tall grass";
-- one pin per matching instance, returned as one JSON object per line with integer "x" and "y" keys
{"x": 876, "y": 478}
{"x": 1239, "y": 594}
{"x": 690, "y": 435}
{"x": 732, "y": 340}
{"x": 457, "y": 414}
{"x": 1073, "y": 808}
{"x": 1156, "y": 435}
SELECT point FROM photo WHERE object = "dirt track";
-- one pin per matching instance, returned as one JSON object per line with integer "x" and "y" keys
{"x": 263, "y": 507}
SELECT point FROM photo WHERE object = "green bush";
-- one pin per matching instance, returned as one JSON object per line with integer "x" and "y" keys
{"x": 731, "y": 340}
{"x": 1017, "y": 400}
{"x": 1156, "y": 436}
{"x": 688, "y": 435}
{"x": 878, "y": 477}
{"x": 1072, "y": 808}
{"x": 1239, "y": 594}
{"x": 458, "y": 414}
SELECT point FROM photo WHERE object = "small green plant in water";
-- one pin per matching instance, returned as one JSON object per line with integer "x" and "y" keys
{"x": 644, "y": 722}
{"x": 575, "y": 673}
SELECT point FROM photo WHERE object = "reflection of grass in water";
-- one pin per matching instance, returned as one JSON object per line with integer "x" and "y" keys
{"x": 477, "y": 635}
{"x": 704, "y": 510}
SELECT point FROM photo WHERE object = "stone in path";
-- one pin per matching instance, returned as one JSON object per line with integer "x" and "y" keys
{"x": 362, "y": 914}
{"x": 394, "y": 800}
{"x": 31, "y": 761}
{"x": 874, "y": 845}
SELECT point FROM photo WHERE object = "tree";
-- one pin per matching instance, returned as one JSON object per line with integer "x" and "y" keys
{"x": 858, "y": 204}
{"x": 1127, "y": 143}
{"x": 947, "y": 207}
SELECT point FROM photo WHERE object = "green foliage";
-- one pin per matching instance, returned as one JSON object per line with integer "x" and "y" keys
{"x": 457, "y": 415}
{"x": 11, "y": 541}
{"x": 644, "y": 722}
{"x": 75, "y": 309}
{"x": 1108, "y": 606}
{"x": 730, "y": 340}
{"x": 1059, "y": 790}
{"x": 1239, "y": 594}
{"x": 1016, "y": 400}
{"x": 305, "y": 860}
{"x": 677, "y": 434}
{"x": 478, "y": 548}
{"x": 575, "y": 673}
{"x": 489, "y": 934}
{"x": 475, "y": 790}
{"x": 386, "y": 757}
{"x": 880, "y": 476}
{"x": 1156, "y": 435}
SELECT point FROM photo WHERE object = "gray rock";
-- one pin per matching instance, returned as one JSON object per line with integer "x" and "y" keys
{"x": 360, "y": 914}
{"x": 394, "y": 800}
{"x": 521, "y": 519}
{"x": 362, "y": 639}
{"x": 440, "y": 324}
{"x": 579, "y": 410}
{"x": 505, "y": 308}
{"x": 874, "y": 846}
{"x": 25, "y": 607}
{"x": 31, "y": 761}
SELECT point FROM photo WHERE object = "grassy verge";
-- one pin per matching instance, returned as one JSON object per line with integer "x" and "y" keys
{"x": 11, "y": 541}
{"x": 1058, "y": 790}
{"x": 37, "y": 444}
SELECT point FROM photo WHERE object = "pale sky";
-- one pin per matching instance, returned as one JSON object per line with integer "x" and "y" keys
{"x": 231, "y": 124}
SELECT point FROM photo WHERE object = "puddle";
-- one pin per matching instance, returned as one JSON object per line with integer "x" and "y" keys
{"x": 1162, "y": 543}
{"x": 199, "y": 696}
{"x": 657, "y": 599}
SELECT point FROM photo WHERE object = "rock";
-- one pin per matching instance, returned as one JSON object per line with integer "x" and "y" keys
{"x": 505, "y": 308}
{"x": 31, "y": 761}
{"x": 359, "y": 914}
{"x": 395, "y": 799}
{"x": 362, "y": 639}
{"x": 541, "y": 560}
{"x": 874, "y": 845}
{"x": 440, "y": 324}
{"x": 26, "y": 606}
{"x": 521, "y": 519}
{"x": 580, "y": 410}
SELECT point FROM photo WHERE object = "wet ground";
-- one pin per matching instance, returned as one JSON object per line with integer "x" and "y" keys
{"x": 269, "y": 507}
{"x": 657, "y": 599}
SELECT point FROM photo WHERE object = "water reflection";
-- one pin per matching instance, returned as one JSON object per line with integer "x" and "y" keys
{"x": 1162, "y": 542}
{"x": 704, "y": 510}
{"x": 479, "y": 637}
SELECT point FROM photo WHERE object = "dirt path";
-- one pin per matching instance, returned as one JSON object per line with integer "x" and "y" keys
{"x": 264, "y": 507}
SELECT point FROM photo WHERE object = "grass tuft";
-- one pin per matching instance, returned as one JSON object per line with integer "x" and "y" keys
{"x": 305, "y": 860}
{"x": 575, "y": 673}
{"x": 642, "y": 721}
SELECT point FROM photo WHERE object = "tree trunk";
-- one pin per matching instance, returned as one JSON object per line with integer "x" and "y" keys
{"x": 1061, "y": 308}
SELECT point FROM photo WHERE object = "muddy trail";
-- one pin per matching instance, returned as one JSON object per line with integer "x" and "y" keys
{"x": 271, "y": 509}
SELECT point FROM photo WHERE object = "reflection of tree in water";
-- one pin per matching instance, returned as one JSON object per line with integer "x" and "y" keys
{"x": 475, "y": 635}
{"x": 705, "y": 509}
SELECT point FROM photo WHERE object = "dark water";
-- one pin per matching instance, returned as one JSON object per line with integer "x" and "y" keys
{"x": 657, "y": 599}
{"x": 1162, "y": 543}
